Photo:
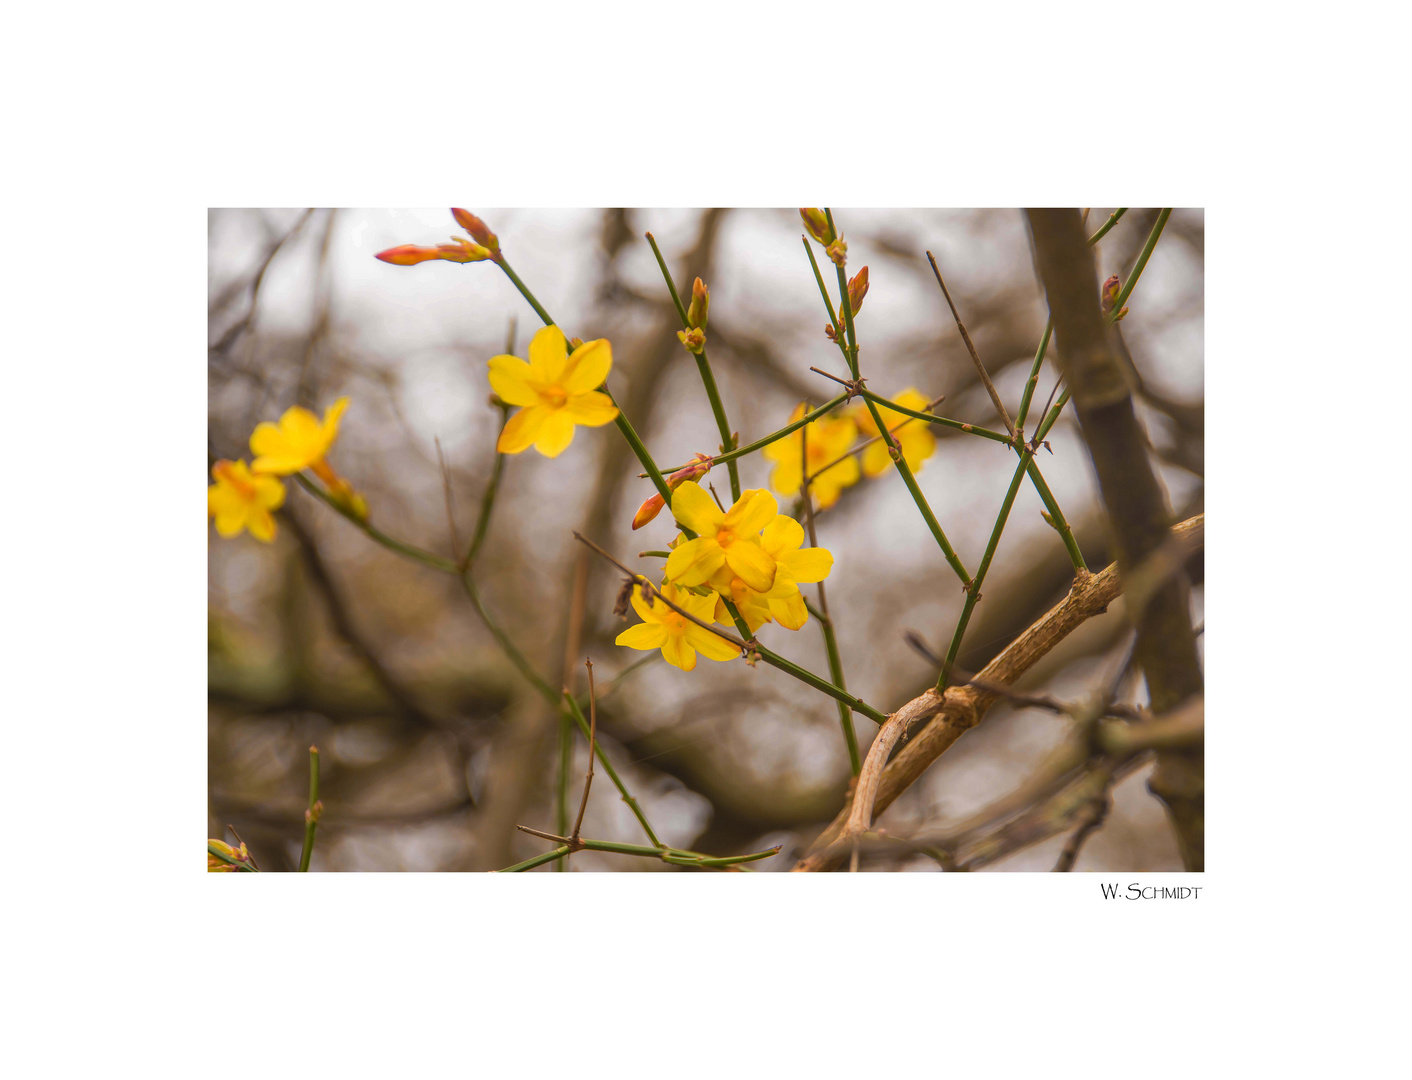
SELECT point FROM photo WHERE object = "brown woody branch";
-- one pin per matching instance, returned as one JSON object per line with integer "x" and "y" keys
{"x": 964, "y": 707}
{"x": 1134, "y": 499}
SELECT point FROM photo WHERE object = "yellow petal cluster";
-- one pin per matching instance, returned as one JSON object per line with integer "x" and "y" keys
{"x": 298, "y": 442}
{"x": 241, "y": 500}
{"x": 827, "y": 441}
{"x": 794, "y": 566}
{"x": 678, "y": 637}
{"x": 556, "y": 390}
{"x": 915, "y": 436}
{"x": 730, "y": 539}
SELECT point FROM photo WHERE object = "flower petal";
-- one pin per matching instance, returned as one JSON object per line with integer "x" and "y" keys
{"x": 332, "y": 415}
{"x": 808, "y": 564}
{"x": 645, "y": 636}
{"x": 678, "y": 653}
{"x": 752, "y": 512}
{"x": 261, "y": 524}
{"x": 790, "y": 612}
{"x": 555, "y": 435}
{"x": 591, "y": 409}
{"x": 752, "y": 564}
{"x": 272, "y": 452}
{"x": 548, "y": 354}
{"x": 695, "y": 561}
{"x": 231, "y": 520}
{"x": 782, "y": 535}
{"x": 787, "y": 474}
{"x": 522, "y": 430}
{"x": 875, "y": 459}
{"x": 509, "y": 377}
{"x": 588, "y": 366}
{"x": 712, "y": 646}
{"x": 642, "y": 607}
{"x": 788, "y": 447}
{"x": 269, "y": 492}
{"x": 692, "y": 507}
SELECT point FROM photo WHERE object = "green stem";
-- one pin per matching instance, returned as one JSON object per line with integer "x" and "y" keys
{"x": 311, "y": 819}
{"x": 561, "y": 795}
{"x": 703, "y": 365}
{"x": 1061, "y": 523}
{"x": 774, "y": 436}
{"x": 1112, "y": 220}
{"x": 1140, "y": 265}
{"x": 821, "y": 684}
{"x": 487, "y": 502}
{"x": 845, "y": 714}
{"x": 940, "y": 421}
{"x": 436, "y": 562}
{"x": 602, "y": 755}
{"x": 624, "y": 426}
{"x": 539, "y": 860}
{"x": 973, "y": 595}
{"x": 1028, "y": 396}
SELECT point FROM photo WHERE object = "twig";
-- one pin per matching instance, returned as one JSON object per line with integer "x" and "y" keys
{"x": 845, "y": 714}
{"x": 592, "y": 743}
{"x": 975, "y": 356}
{"x": 311, "y": 815}
{"x": 446, "y": 494}
{"x": 1096, "y": 816}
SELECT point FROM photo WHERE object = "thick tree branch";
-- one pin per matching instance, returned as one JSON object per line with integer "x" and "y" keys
{"x": 1135, "y": 501}
{"x": 965, "y": 706}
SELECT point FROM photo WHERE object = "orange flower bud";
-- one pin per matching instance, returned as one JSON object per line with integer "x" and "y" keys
{"x": 700, "y": 466}
{"x": 647, "y": 511}
{"x": 857, "y": 289}
{"x": 700, "y": 303}
{"x": 693, "y": 340}
{"x": 478, "y": 229}
{"x": 816, "y": 223}
{"x": 408, "y": 255}
{"x": 575, "y": 342}
{"x": 838, "y": 251}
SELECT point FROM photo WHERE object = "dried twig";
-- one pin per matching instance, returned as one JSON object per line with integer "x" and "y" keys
{"x": 975, "y": 356}
{"x": 592, "y": 742}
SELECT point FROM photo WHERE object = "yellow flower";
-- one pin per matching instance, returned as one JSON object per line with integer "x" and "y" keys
{"x": 794, "y": 566}
{"x": 241, "y": 500}
{"x": 731, "y": 539}
{"x": 679, "y": 638}
{"x": 558, "y": 389}
{"x": 915, "y": 436}
{"x": 298, "y": 442}
{"x": 829, "y": 438}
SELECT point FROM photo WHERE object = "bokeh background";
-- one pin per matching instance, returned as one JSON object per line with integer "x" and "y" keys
{"x": 433, "y": 747}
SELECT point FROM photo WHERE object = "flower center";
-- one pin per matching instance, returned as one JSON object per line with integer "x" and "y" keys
{"x": 554, "y": 395}
{"x": 674, "y": 622}
{"x": 725, "y": 537}
{"x": 227, "y": 472}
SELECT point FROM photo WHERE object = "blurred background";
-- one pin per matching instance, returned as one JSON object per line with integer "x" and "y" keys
{"x": 433, "y": 746}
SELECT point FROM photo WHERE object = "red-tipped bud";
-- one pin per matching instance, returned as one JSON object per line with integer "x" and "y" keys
{"x": 857, "y": 289}
{"x": 647, "y": 511}
{"x": 828, "y": 332}
{"x": 478, "y": 229}
{"x": 1111, "y": 289}
{"x": 408, "y": 255}
{"x": 700, "y": 304}
{"x": 838, "y": 252}
{"x": 816, "y": 223}
{"x": 700, "y": 465}
{"x": 693, "y": 340}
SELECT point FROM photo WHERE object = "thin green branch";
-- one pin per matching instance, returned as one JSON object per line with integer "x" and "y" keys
{"x": 629, "y": 433}
{"x": 1112, "y": 220}
{"x": 311, "y": 815}
{"x": 774, "y": 436}
{"x": 539, "y": 860}
{"x": 436, "y": 562}
{"x": 703, "y": 365}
